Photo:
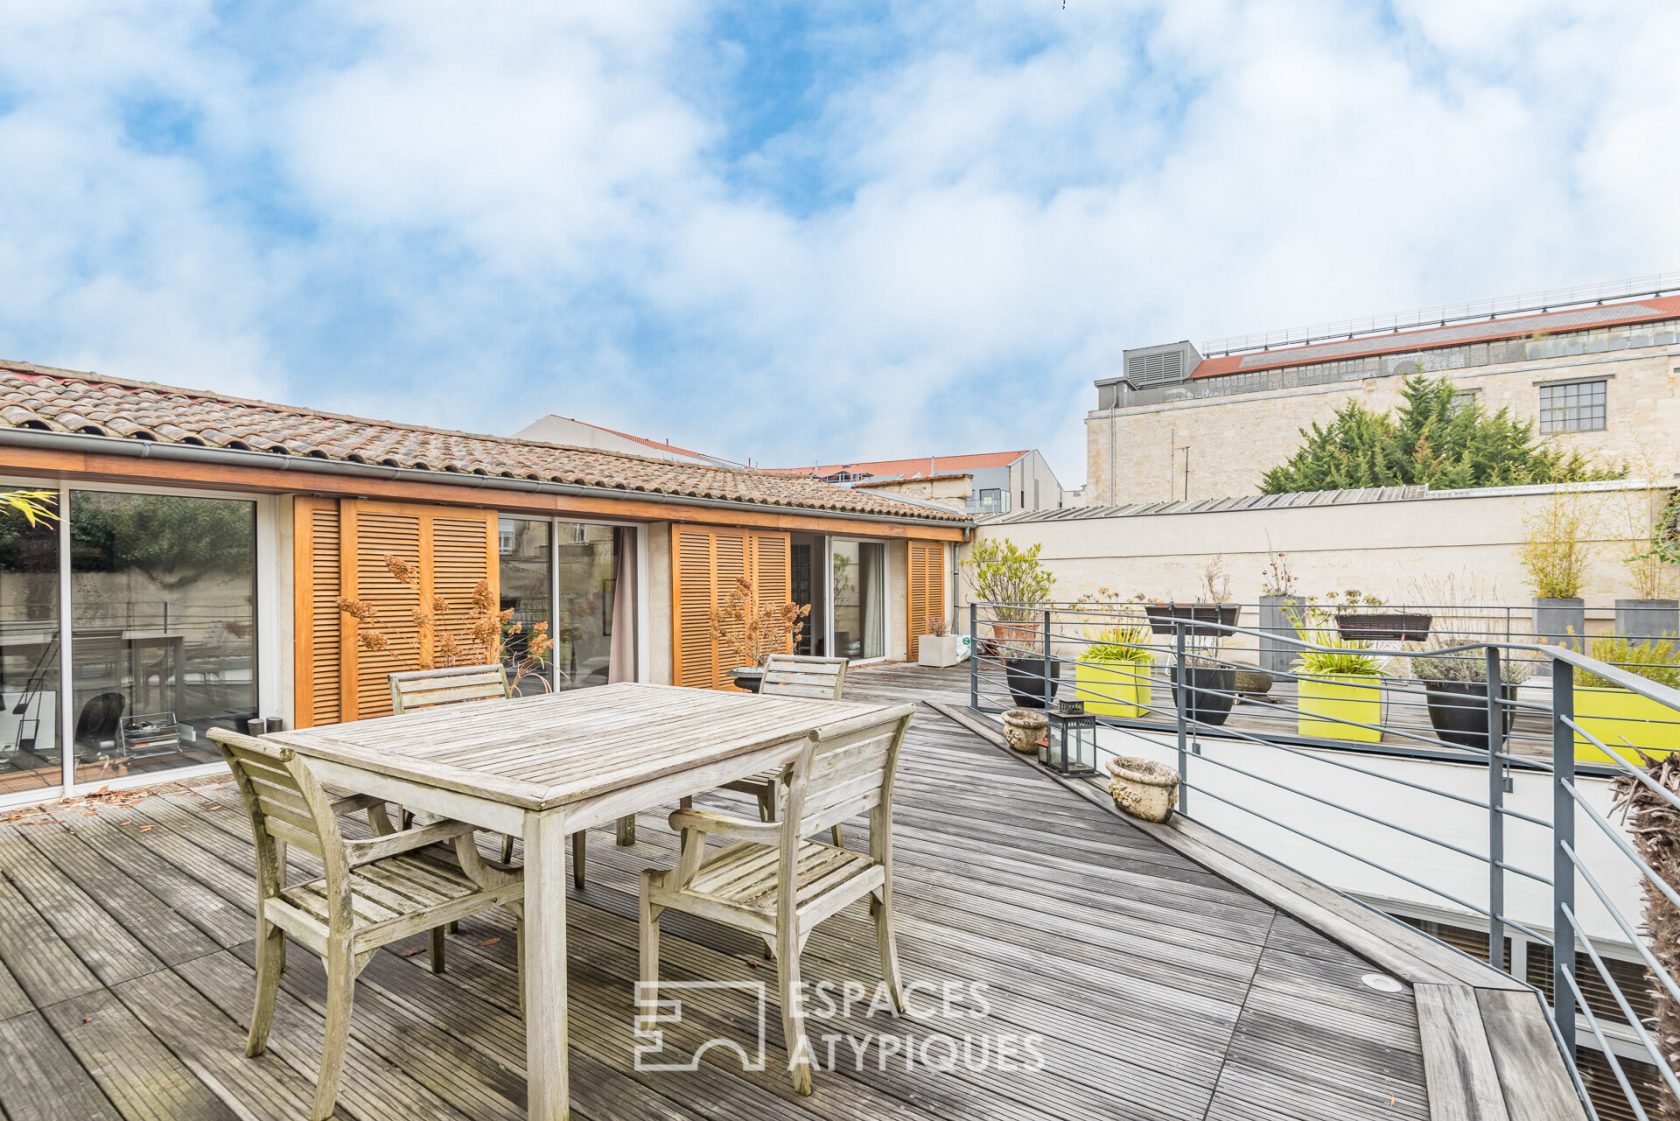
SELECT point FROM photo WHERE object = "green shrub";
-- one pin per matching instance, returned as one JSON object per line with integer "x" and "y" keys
{"x": 1118, "y": 644}
{"x": 1001, "y": 572}
{"x": 1345, "y": 656}
{"x": 1655, "y": 659}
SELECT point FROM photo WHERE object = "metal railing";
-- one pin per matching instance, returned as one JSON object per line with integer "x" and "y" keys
{"x": 1468, "y": 781}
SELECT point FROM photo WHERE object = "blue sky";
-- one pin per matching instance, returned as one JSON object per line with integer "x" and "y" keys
{"x": 796, "y": 231}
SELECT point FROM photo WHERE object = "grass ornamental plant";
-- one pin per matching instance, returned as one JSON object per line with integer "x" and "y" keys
{"x": 1352, "y": 658}
{"x": 1652, "y": 567}
{"x": 1118, "y": 644}
{"x": 1555, "y": 554}
{"x": 1112, "y": 673}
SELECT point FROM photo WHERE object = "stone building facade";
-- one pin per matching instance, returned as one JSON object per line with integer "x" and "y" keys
{"x": 1604, "y": 381}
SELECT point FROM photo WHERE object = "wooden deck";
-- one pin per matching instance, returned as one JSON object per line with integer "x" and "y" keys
{"x": 1160, "y": 990}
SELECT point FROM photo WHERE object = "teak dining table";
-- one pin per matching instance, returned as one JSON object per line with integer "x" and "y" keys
{"x": 544, "y": 767}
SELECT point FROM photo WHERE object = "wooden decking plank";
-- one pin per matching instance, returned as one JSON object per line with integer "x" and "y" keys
{"x": 137, "y": 1072}
{"x": 1458, "y": 1064}
{"x": 45, "y": 968}
{"x": 1532, "y": 1074}
{"x": 40, "y": 1080}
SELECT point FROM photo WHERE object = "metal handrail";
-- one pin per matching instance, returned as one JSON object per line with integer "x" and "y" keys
{"x": 1185, "y": 732}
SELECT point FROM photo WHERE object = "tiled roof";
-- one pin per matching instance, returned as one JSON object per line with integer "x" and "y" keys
{"x": 910, "y": 468}
{"x": 1429, "y": 338}
{"x": 34, "y": 397}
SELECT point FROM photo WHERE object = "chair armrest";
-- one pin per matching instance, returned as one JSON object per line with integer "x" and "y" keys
{"x": 353, "y": 803}
{"x": 727, "y": 827}
{"x": 407, "y": 840}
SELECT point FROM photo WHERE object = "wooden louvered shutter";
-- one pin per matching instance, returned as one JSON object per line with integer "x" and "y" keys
{"x": 317, "y": 629}
{"x": 925, "y": 581}
{"x": 340, "y": 551}
{"x": 705, "y": 565}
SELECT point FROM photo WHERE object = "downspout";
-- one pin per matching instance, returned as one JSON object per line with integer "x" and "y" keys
{"x": 1113, "y": 457}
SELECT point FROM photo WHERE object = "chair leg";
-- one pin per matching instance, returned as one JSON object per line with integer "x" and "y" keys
{"x": 627, "y": 830}
{"x": 767, "y": 804}
{"x": 793, "y": 1015}
{"x": 519, "y": 956}
{"x": 437, "y": 949}
{"x": 648, "y": 924}
{"x": 839, "y": 838}
{"x": 580, "y": 850}
{"x": 341, "y": 989}
{"x": 271, "y": 960}
{"x": 886, "y": 940}
{"x": 507, "y": 848}
{"x": 686, "y": 803}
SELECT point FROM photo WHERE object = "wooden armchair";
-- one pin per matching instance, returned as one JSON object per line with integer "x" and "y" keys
{"x": 775, "y": 881}
{"x": 372, "y": 892}
{"x": 418, "y": 690}
{"x": 792, "y": 675}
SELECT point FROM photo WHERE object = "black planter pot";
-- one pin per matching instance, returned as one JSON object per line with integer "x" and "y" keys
{"x": 1026, "y": 680}
{"x": 1212, "y": 690}
{"x": 1458, "y": 711}
{"x": 1163, "y": 615}
{"x": 748, "y": 679}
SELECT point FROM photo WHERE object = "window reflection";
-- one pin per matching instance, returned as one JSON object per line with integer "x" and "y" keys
{"x": 859, "y": 570}
{"x": 593, "y": 622}
{"x": 163, "y": 628}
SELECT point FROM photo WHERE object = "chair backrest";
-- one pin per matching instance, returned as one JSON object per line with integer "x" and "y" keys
{"x": 800, "y": 675}
{"x": 285, "y": 803}
{"x": 429, "y": 688}
{"x": 845, "y": 771}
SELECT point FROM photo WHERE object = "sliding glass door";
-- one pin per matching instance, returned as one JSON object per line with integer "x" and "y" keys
{"x": 580, "y": 579}
{"x": 858, "y": 587}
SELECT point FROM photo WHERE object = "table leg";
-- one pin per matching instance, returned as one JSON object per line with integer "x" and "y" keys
{"x": 545, "y": 966}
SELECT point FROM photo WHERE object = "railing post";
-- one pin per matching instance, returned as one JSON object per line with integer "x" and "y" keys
{"x": 973, "y": 656}
{"x": 1179, "y": 699}
{"x": 1046, "y": 663}
{"x": 1563, "y": 867}
{"x": 1496, "y": 810}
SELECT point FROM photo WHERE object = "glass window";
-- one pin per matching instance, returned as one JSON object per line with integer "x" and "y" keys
{"x": 860, "y": 599}
{"x": 29, "y": 653}
{"x": 163, "y": 628}
{"x": 595, "y": 627}
{"x": 527, "y": 580}
{"x": 1576, "y": 407}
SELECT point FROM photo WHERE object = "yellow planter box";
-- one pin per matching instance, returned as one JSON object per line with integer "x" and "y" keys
{"x": 1626, "y": 722}
{"x": 1326, "y": 701}
{"x": 1113, "y": 688}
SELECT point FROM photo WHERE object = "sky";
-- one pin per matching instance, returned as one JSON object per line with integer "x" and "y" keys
{"x": 796, "y": 232}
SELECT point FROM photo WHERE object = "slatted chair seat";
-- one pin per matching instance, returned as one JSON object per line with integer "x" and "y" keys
{"x": 792, "y": 675}
{"x": 372, "y": 892}
{"x": 775, "y": 881}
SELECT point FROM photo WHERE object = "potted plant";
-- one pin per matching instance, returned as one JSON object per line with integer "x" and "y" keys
{"x": 1627, "y": 722}
{"x": 1279, "y": 601}
{"x": 1456, "y": 688}
{"x": 1208, "y": 615}
{"x": 1016, "y": 588}
{"x": 748, "y": 632}
{"x": 937, "y": 646}
{"x": 1653, "y": 612}
{"x": 1112, "y": 673}
{"x": 1360, "y": 616}
{"x": 1554, "y": 555}
{"x": 1340, "y": 690}
{"x": 1210, "y": 689}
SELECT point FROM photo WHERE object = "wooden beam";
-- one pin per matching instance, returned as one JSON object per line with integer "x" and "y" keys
{"x": 182, "y": 473}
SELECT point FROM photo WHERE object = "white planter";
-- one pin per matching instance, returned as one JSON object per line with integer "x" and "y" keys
{"x": 941, "y": 650}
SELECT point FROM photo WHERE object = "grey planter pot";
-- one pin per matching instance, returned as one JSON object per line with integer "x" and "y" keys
{"x": 1648, "y": 618}
{"x": 1276, "y": 657}
{"x": 1562, "y": 622}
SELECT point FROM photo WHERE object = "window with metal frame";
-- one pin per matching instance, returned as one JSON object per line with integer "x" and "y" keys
{"x": 1576, "y": 406}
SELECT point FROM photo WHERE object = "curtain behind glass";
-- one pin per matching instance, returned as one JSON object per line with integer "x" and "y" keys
{"x": 622, "y": 655}
{"x": 873, "y": 557}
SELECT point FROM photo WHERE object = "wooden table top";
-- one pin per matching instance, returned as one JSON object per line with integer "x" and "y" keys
{"x": 544, "y": 751}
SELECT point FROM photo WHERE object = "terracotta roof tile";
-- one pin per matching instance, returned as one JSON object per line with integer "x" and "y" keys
{"x": 904, "y": 468}
{"x": 65, "y": 401}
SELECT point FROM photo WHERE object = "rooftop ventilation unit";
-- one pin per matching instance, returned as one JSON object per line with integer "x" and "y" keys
{"x": 1160, "y": 365}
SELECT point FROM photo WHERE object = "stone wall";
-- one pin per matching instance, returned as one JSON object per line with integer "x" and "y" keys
{"x": 1139, "y": 454}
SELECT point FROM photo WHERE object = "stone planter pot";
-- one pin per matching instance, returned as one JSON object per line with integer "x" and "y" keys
{"x": 1143, "y": 788}
{"x": 941, "y": 650}
{"x": 1210, "y": 691}
{"x": 1458, "y": 711}
{"x": 1561, "y": 622}
{"x": 1252, "y": 681}
{"x": 1023, "y": 728}
{"x": 1648, "y": 618}
{"x": 1026, "y": 680}
{"x": 1277, "y": 656}
{"x": 748, "y": 678}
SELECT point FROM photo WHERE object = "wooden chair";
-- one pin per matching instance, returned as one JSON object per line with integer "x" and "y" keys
{"x": 372, "y": 892}
{"x": 418, "y": 690}
{"x": 774, "y": 881}
{"x": 792, "y": 675}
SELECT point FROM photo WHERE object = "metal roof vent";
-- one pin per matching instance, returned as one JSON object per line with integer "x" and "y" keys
{"x": 1160, "y": 365}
